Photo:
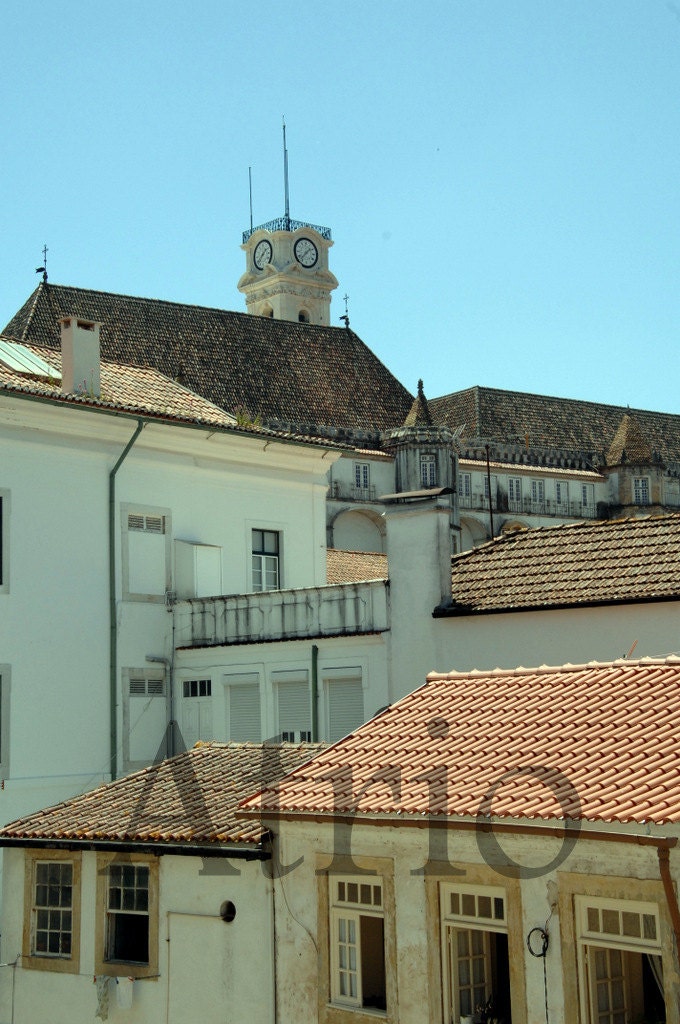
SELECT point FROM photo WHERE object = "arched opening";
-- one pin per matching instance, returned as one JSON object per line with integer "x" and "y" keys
{"x": 267, "y": 310}
{"x": 303, "y": 316}
{"x": 472, "y": 534}
{"x": 358, "y": 530}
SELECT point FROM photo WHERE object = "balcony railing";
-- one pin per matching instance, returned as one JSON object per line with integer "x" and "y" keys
{"x": 525, "y": 506}
{"x": 341, "y": 609}
{"x": 287, "y": 224}
{"x": 350, "y": 492}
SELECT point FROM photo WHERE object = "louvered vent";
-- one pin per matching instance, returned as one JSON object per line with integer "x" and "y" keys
{"x": 143, "y": 686}
{"x": 147, "y": 524}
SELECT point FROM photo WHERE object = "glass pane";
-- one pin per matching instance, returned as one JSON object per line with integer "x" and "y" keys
{"x": 366, "y": 895}
{"x": 341, "y": 892}
{"x": 455, "y": 903}
{"x": 499, "y": 908}
{"x": 593, "y": 919}
{"x": 618, "y": 1001}
{"x": 352, "y": 958}
{"x": 352, "y": 932}
{"x": 377, "y": 896}
{"x": 352, "y": 892}
{"x": 484, "y": 906}
{"x": 463, "y": 947}
{"x": 610, "y": 922}
{"x": 478, "y": 975}
{"x": 464, "y": 973}
{"x": 649, "y": 926}
{"x": 468, "y": 904}
{"x": 601, "y": 969}
{"x": 630, "y": 923}
{"x": 478, "y": 943}
{"x": 342, "y": 930}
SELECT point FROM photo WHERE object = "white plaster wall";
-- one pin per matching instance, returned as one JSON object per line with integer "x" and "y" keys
{"x": 418, "y": 955}
{"x": 236, "y": 986}
{"x": 357, "y": 530}
{"x": 366, "y": 653}
{"x": 54, "y": 621}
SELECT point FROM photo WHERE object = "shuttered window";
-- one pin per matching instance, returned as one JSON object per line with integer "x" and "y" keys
{"x": 294, "y": 706}
{"x": 243, "y": 702}
{"x": 344, "y": 703}
{"x": 146, "y": 553}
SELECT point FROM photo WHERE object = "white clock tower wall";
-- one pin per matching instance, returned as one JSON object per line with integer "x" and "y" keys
{"x": 287, "y": 275}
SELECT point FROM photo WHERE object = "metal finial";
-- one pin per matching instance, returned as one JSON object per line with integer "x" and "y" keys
{"x": 250, "y": 190}
{"x": 346, "y": 316}
{"x": 285, "y": 177}
{"x": 43, "y": 270}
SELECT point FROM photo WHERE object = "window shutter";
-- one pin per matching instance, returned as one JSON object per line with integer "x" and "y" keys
{"x": 294, "y": 706}
{"x": 345, "y": 707}
{"x": 244, "y": 713}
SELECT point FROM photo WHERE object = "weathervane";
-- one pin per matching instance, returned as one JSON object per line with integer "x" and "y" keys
{"x": 285, "y": 176}
{"x": 346, "y": 315}
{"x": 43, "y": 270}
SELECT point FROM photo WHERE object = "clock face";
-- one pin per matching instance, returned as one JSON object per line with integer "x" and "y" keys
{"x": 263, "y": 254}
{"x": 305, "y": 252}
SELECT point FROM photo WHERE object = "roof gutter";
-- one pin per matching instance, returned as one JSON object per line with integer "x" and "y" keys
{"x": 238, "y": 852}
{"x": 462, "y": 610}
{"x": 113, "y": 617}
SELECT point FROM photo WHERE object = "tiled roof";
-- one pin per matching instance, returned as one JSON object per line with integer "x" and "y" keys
{"x": 139, "y": 390}
{"x": 287, "y": 372}
{"x": 603, "y": 737}
{"x": 629, "y": 444}
{"x": 526, "y": 469}
{"x": 191, "y": 798}
{"x": 354, "y": 566}
{"x": 581, "y": 564}
{"x": 546, "y": 422}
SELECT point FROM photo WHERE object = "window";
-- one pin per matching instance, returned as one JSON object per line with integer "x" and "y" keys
{"x": 465, "y": 485}
{"x": 303, "y": 316}
{"x": 357, "y": 929}
{"x": 620, "y": 960}
{"x": 537, "y": 495}
{"x": 641, "y": 490}
{"x": 266, "y": 551}
{"x": 428, "y": 470}
{"x": 144, "y": 716}
{"x": 243, "y": 707}
{"x": 475, "y": 927}
{"x": 197, "y": 711}
{"x": 294, "y": 706}
{"x": 587, "y": 493}
{"x": 494, "y": 487}
{"x": 4, "y": 547}
{"x": 344, "y": 701}
{"x": 515, "y": 493}
{"x": 127, "y": 915}
{"x": 362, "y": 480}
{"x": 562, "y": 494}
{"x": 52, "y": 901}
{"x": 146, "y": 553}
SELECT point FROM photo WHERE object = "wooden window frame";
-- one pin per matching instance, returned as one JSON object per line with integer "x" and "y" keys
{"x": 125, "y": 968}
{"x": 41, "y": 961}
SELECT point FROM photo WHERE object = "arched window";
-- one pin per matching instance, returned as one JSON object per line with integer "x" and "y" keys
{"x": 303, "y": 316}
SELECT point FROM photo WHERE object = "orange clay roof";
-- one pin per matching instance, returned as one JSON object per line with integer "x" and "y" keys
{"x": 192, "y": 798}
{"x": 354, "y": 566}
{"x": 604, "y": 737}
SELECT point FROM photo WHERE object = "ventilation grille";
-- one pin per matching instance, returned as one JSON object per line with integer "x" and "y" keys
{"x": 145, "y": 686}
{"x": 147, "y": 524}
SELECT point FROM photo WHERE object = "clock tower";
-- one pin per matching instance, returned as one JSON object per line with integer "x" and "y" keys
{"x": 287, "y": 275}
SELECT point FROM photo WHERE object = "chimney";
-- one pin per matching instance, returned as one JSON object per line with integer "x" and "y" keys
{"x": 80, "y": 374}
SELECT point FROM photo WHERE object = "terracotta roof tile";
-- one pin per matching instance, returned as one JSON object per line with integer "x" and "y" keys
{"x": 354, "y": 566}
{"x": 542, "y": 743}
{"x": 583, "y": 563}
{"x": 191, "y": 798}
{"x": 291, "y": 373}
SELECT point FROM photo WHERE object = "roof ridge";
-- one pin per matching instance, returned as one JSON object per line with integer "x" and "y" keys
{"x": 672, "y": 660}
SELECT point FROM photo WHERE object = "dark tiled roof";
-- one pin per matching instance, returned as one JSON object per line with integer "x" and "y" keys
{"x": 287, "y": 372}
{"x": 190, "y": 798}
{"x": 603, "y": 738}
{"x": 581, "y": 564}
{"x": 629, "y": 444}
{"x": 545, "y": 422}
{"x": 354, "y": 566}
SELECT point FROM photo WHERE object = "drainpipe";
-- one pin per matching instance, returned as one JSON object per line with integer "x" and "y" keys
{"x": 671, "y": 899}
{"x": 113, "y": 624}
{"x": 315, "y": 693}
{"x": 170, "y": 731}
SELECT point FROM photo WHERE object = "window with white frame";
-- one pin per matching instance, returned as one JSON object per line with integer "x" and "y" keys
{"x": 428, "y": 469}
{"x": 475, "y": 951}
{"x": 144, "y": 716}
{"x": 464, "y": 485}
{"x": 126, "y": 926}
{"x": 494, "y": 487}
{"x": 293, "y": 699}
{"x": 641, "y": 490}
{"x": 197, "y": 711}
{"x": 266, "y": 546}
{"x": 4, "y": 541}
{"x": 344, "y": 696}
{"x": 357, "y": 931}
{"x": 244, "y": 722}
{"x": 562, "y": 493}
{"x": 515, "y": 493}
{"x": 362, "y": 476}
{"x": 620, "y": 960}
{"x": 52, "y": 932}
{"x": 146, "y": 553}
{"x": 587, "y": 495}
{"x": 537, "y": 492}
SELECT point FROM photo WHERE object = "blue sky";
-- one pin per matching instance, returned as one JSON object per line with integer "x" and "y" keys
{"x": 502, "y": 177}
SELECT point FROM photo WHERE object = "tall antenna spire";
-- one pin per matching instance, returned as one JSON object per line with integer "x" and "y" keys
{"x": 43, "y": 270}
{"x": 250, "y": 190}
{"x": 285, "y": 176}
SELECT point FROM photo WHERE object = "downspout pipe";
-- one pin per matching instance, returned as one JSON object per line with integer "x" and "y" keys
{"x": 315, "y": 693}
{"x": 671, "y": 897}
{"x": 113, "y": 618}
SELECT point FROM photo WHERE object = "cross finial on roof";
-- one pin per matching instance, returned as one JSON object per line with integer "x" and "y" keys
{"x": 43, "y": 270}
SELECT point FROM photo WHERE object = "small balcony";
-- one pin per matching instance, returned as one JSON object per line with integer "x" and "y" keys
{"x": 338, "y": 610}
{"x": 526, "y": 506}
{"x": 350, "y": 492}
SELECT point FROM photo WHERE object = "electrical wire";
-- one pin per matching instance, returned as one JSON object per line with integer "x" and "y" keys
{"x": 540, "y": 953}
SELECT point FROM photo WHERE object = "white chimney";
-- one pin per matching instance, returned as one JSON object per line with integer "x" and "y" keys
{"x": 80, "y": 372}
